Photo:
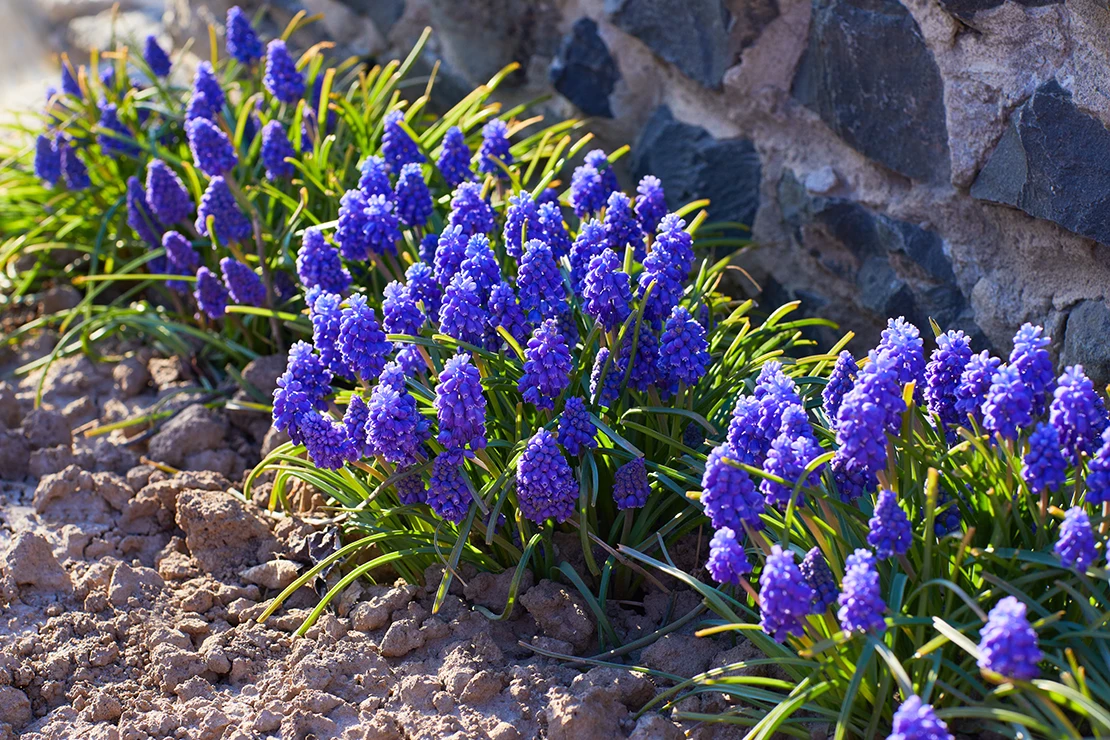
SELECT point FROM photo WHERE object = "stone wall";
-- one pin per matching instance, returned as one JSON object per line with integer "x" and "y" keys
{"x": 944, "y": 159}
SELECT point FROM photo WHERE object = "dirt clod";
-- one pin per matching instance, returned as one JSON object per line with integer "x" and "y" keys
{"x": 560, "y": 614}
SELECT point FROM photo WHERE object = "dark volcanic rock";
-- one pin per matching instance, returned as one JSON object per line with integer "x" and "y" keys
{"x": 869, "y": 75}
{"x": 965, "y": 9}
{"x": 1049, "y": 164}
{"x": 693, "y": 35}
{"x": 584, "y": 71}
{"x": 692, "y": 164}
{"x": 900, "y": 268}
{"x": 384, "y": 13}
{"x": 1085, "y": 344}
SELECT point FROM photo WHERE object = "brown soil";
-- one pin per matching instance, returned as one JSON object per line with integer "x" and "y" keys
{"x": 129, "y": 597}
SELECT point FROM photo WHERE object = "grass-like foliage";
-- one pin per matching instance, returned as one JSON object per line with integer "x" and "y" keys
{"x": 944, "y": 545}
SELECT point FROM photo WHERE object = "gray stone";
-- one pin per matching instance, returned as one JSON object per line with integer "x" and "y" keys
{"x": 871, "y": 78}
{"x": 899, "y": 268}
{"x": 1048, "y": 165}
{"x": 384, "y": 13}
{"x": 693, "y": 35}
{"x": 966, "y": 9}
{"x": 1085, "y": 333}
{"x": 692, "y": 164}
{"x": 584, "y": 71}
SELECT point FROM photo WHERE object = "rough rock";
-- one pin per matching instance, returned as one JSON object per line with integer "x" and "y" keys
{"x": 47, "y": 428}
{"x": 373, "y": 614}
{"x": 14, "y": 452}
{"x": 870, "y": 76}
{"x": 194, "y": 430}
{"x": 560, "y": 614}
{"x": 691, "y": 163}
{"x": 15, "y": 707}
{"x": 263, "y": 372}
{"x": 584, "y": 71}
{"x": 491, "y": 590}
{"x": 682, "y": 655}
{"x": 131, "y": 376}
{"x": 1052, "y": 176}
{"x": 131, "y": 582}
{"x": 656, "y": 727}
{"x": 274, "y": 574}
{"x": 966, "y": 9}
{"x": 402, "y": 637}
{"x": 31, "y": 562}
{"x": 221, "y": 531}
{"x": 10, "y": 411}
{"x": 596, "y": 713}
{"x": 690, "y": 34}
{"x": 1085, "y": 340}
{"x": 631, "y": 689}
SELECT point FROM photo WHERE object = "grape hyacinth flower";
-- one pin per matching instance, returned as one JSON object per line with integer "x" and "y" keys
{"x": 462, "y": 316}
{"x": 942, "y": 375}
{"x": 243, "y": 284}
{"x": 728, "y": 493}
{"x": 540, "y": 284}
{"x": 630, "y": 485}
{"x": 1044, "y": 466}
{"x": 902, "y": 343}
{"x": 870, "y": 411}
{"x": 318, "y": 264}
{"x": 230, "y": 223}
{"x": 139, "y": 216}
{"x": 48, "y": 160}
{"x": 381, "y": 229}
{"x": 354, "y": 422}
{"x": 545, "y": 485}
{"x": 605, "y": 390}
{"x": 890, "y": 533}
{"x": 350, "y": 231}
{"x": 459, "y": 404}
{"x": 1077, "y": 412}
{"x": 282, "y": 79}
{"x": 210, "y": 293}
{"x": 1008, "y": 407}
{"x": 398, "y": 148}
{"x": 207, "y": 84}
{"x": 361, "y": 341}
{"x": 166, "y": 194}
{"x": 411, "y": 490}
{"x": 156, "y": 57}
{"x": 70, "y": 85}
{"x": 181, "y": 256}
{"x": 975, "y": 381}
{"x": 374, "y": 178}
{"x": 684, "y": 351}
{"x": 301, "y": 388}
{"x": 276, "y": 149}
{"x": 118, "y": 138}
{"x": 916, "y": 720}
{"x": 505, "y": 312}
{"x": 450, "y": 254}
{"x": 400, "y": 314}
{"x": 666, "y": 269}
{"x": 421, "y": 282}
{"x": 326, "y": 316}
{"x": 621, "y": 226}
{"x": 576, "y": 429}
{"x": 815, "y": 569}
{"x": 547, "y": 365}
{"x": 787, "y": 458}
{"x": 651, "y": 203}
{"x": 693, "y": 436}
{"x": 480, "y": 263}
{"x": 74, "y": 171}
{"x": 326, "y": 441}
{"x": 784, "y": 596}
{"x": 494, "y": 149}
{"x": 1098, "y": 473}
{"x": 1033, "y": 362}
{"x": 1076, "y": 543}
{"x": 449, "y": 492}
{"x": 212, "y": 151}
{"x": 395, "y": 428}
{"x": 746, "y": 434}
{"x": 470, "y": 211}
{"x": 587, "y": 192}
{"x": 243, "y": 43}
{"x": 426, "y": 250}
{"x": 199, "y": 107}
{"x": 606, "y": 292}
{"x": 549, "y": 221}
{"x": 861, "y": 601}
{"x": 841, "y": 380}
{"x": 454, "y": 159}
{"x": 727, "y": 561}
{"x": 1008, "y": 643}
{"x": 589, "y": 243}
{"x": 597, "y": 159}
{"x": 520, "y": 215}
{"x": 641, "y": 365}
{"x": 414, "y": 200}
